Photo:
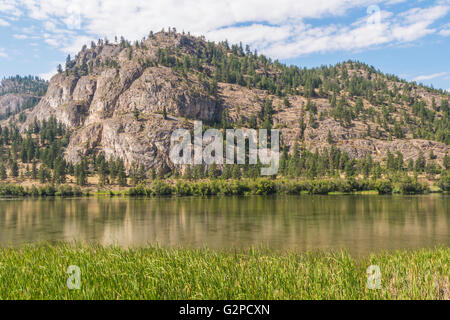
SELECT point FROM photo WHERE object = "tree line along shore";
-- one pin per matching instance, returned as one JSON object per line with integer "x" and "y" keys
{"x": 242, "y": 187}
{"x": 33, "y": 164}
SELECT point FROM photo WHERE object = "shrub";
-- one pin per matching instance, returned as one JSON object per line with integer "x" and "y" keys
{"x": 263, "y": 187}
{"x": 183, "y": 189}
{"x": 77, "y": 192}
{"x": 288, "y": 187}
{"x": 34, "y": 191}
{"x": 225, "y": 188}
{"x": 320, "y": 187}
{"x": 12, "y": 190}
{"x": 202, "y": 189}
{"x": 238, "y": 188}
{"x": 160, "y": 188}
{"x": 444, "y": 181}
{"x": 383, "y": 186}
{"x": 64, "y": 191}
{"x": 411, "y": 186}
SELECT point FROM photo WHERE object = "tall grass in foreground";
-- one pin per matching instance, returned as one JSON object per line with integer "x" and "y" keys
{"x": 39, "y": 272}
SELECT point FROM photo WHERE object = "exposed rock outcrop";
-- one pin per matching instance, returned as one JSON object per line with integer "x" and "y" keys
{"x": 20, "y": 93}
{"x": 12, "y": 102}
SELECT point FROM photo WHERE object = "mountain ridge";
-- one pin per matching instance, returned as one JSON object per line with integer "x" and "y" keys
{"x": 350, "y": 105}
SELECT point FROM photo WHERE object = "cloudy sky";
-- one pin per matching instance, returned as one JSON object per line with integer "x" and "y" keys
{"x": 408, "y": 38}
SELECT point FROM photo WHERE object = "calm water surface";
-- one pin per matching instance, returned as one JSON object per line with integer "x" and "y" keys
{"x": 360, "y": 224}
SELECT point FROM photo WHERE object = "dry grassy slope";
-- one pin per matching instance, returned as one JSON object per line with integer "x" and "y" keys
{"x": 99, "y": 107}
{"x": 243, "y": 102}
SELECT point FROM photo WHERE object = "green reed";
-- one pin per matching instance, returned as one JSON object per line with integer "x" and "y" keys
{"x": 39, "y": 272}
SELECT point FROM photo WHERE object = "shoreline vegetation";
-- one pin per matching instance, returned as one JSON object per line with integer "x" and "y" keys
{"x": 242, "y": 187}
{"x": 33, "y": 164}
{"x": 40, "y": 272}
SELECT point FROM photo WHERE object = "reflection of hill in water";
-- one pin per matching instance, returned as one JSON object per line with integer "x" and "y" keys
{"x": 358, "y": 223}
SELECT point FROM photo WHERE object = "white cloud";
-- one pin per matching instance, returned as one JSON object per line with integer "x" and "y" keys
{"x": 50, "y": 26}
{"x": 417, "y": 22}
{"x": 391, "y": 2}
{"x": 329, "y": 38}
{"x": 405, "y": 27}
{"x": 3, "y": 54}
{"x": 76, "y": 44}
{"x": 257, "y": 34}
{"x": 4, "y": 23}
{"x": 20, "y": 36}
{"x": 445, "y": 31}
{"x": 425, "y": 14}
{"x": 277, "y": 28}
{"x": 429, "y": 76}
{"x": 117, "y": 17}
{"x": 29, "y": 30}
{"x": 48, "y": 75}
{"x": 10, "y": 7}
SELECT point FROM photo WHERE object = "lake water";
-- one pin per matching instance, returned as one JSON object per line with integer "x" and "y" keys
{"x": 360, "y": 224}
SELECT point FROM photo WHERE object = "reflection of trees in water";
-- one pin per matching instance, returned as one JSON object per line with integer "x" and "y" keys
{"x": 305, "y": 222}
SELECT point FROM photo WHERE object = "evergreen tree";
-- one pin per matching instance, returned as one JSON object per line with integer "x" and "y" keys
{"x": 446, "y": 162}
{"x": 294, "y": 162}
{"x": 330, "y": 137}
{"x": 236, "y": 172}
{"x": 135, "y": 113}
{"x": 121, "y": 175}
{"x": 432, "y": 156}
{"x": 81, "y": 174}
{"x": 43, "y": 174}
{"x": 153, "y": 174}
{"x": 420, "y": 163}
{"x": 227, "y": 172}
{"x": 3, "y": 174}
{"x": 14, "y": 169}
{"x": 213, "y": 172}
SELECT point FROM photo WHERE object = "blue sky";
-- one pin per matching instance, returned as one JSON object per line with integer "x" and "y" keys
{"x": 408, "y": 38}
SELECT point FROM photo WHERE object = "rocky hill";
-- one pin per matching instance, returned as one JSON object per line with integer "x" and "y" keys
{"x": 113, "y": 98}
{"x": 20, "y": 93}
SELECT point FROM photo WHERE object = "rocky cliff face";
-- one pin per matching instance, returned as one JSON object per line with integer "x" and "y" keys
{"x": 17, "y": 94}
{"x": 101, "y": 108}
{"x": 11, "y": 102}
{"x": 113, "y": 96}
